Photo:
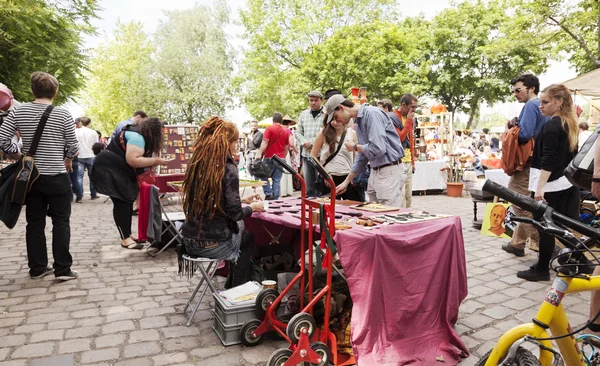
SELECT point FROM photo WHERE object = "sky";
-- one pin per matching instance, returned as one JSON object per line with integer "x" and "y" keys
{"x": 151, "y": 12}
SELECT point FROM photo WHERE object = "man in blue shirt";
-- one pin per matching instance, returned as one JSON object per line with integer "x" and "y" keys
{"x": 138, "y": 117}
{"x": 378, "y": 144}
{"x": 525, "y": 88}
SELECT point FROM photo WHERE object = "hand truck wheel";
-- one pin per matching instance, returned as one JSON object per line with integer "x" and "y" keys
{"x": 323, "y": 351}
{"x": 285, "y": 319}
{"x": 246, "y": 331}
{"x": 297, "y": 323}
{"x": 280, "y": 357}
{"x": 263, "y": 299}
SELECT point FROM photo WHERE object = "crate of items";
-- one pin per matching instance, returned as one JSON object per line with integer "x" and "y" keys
{"x": 230, "y": 317}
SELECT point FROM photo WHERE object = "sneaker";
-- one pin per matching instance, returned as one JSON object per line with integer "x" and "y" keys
{"x": 269, "y": 197}
{"x": 69, "y": 276}
{"x": 46, "y": 272}
{"x": 512, "y": 250}
{"x": 95, "y": 198}
{"x": 534, "y": 274}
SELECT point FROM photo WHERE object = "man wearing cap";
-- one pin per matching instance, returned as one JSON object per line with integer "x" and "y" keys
{"x": 309, "y": 124}
{"x": 378, "y": 144}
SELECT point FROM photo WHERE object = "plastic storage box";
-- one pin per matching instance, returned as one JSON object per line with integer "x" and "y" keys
{"x": 229, "y": 318}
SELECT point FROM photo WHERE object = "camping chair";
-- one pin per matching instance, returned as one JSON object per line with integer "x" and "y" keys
{"x": 206, "y": 276}
{"x": 150, "y": 207}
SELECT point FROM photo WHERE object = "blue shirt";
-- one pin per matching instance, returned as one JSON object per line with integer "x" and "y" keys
{"x": 378, "y": 138}
{"x": 531, "y": 120}
{"x": 120, "y": 126}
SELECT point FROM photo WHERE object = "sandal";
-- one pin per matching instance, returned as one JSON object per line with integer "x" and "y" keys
{"x": 133, "y": 245}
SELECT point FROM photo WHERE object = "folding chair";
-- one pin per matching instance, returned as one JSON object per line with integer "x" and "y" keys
{"x": 169, "y": 222}
{"x": 207, "y": 276}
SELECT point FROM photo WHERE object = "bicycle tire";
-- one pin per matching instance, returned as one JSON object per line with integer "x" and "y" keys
{"x": 523, "y": 358}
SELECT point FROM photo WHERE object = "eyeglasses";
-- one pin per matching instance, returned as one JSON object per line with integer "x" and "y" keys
{"x": 518, "y": 90}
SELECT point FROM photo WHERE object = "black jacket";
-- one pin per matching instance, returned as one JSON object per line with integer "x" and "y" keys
{"x": 222, "y": 225}
{"x": 551, "y": 150}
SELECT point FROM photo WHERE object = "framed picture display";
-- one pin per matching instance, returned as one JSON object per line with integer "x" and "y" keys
{"x": 178, "y": 147}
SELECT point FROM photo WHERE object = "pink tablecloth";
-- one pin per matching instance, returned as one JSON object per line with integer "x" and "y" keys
{"x": 407, "y": 282}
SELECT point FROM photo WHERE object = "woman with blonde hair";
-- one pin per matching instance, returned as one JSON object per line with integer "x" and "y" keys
{"x": 555, "y": 147}
{"x": 214, "y": 226}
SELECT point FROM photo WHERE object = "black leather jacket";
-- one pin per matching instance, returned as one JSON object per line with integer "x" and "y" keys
{"x": 222, "y": 225}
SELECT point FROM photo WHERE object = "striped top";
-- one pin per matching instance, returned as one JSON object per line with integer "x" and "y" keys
{"x": 58, "y": 138}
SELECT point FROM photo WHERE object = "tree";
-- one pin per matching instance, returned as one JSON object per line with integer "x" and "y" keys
{"x": 470, "y": 53}
{"x": 193, "y": 66}
{"x": 38, "y": 35}
{"x": 118, "y": 82}
{"x": 573, "y": 26}
{"x": 281, "y": 34}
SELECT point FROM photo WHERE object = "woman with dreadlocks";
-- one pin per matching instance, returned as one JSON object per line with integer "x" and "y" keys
{"x": 214, "y": 226}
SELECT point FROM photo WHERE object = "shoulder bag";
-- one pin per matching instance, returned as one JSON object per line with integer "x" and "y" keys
{"x": 142, "y": 175}
{"x": 581, "y": 169}
{"x": 320, "y": 183}
{"x": 261, "y": 169}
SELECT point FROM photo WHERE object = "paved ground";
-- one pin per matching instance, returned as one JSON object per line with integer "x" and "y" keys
{"x": 125, "y": 307}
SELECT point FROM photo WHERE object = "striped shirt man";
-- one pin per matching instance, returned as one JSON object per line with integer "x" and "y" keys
{"x": 58, "y": 138}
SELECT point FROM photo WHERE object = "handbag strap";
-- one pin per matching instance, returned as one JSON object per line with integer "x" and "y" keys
{"x": 338, "y": 148}
{"x": 277, "y": 138}
{"x": 40, "y": 130}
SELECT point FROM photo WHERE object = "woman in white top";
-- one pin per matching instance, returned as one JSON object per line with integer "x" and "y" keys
{"x": 326, "y": 144}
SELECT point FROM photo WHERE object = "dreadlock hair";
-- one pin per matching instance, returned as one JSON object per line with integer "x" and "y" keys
{"x": 152, "y": 131}
{"x": 203, "y": 183}
{"x": 566, "y": 112}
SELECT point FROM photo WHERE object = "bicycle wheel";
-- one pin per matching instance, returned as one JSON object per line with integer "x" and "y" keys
{"x": 523, "y": 358}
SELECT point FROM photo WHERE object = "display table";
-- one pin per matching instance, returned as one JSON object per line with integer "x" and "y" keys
{"x": 428, "y": 175}
{"x": 406, "y": 285}
{"x": 497, "y": 176}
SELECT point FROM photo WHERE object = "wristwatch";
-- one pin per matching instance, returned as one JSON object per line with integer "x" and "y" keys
{"x": 355, "y": 147}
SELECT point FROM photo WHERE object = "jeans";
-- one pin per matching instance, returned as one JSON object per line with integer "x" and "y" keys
{"x": 50, "y": 196}
{"x": 273, "y": 189}
{"x": 310, "y": 177}
{"x": 76, "y": 187}
{"x": 83, "y": 163}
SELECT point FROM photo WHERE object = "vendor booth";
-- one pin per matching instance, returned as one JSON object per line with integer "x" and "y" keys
{"x": 406, "y": 285}
{"x": 178, "y": 147}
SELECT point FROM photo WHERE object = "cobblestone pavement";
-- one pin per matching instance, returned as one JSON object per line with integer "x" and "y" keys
{"x": 125, "y": 308}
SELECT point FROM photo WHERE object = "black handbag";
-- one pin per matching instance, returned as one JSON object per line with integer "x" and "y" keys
{"x": 260, "y": 168}
{"x": 320, "y": 183}
{"x": 17, "y": 179}
{"x": 581, "y": 169}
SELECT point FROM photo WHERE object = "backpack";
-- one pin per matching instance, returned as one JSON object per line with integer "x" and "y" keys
{"x": 581, "y": 169}
{"x": 514, "y": 155}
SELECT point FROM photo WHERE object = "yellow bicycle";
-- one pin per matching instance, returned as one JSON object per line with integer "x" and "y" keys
{"x": 551, "y": 316}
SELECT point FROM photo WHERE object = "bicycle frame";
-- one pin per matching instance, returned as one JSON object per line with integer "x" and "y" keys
{"x": 551, "y": 315}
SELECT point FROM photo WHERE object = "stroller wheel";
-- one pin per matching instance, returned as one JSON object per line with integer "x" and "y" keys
{"x": 246, "y": 332}
{"x": 299, "y": 322}
{"x": 263, "y": 299}
{"x": 280, "y": 357}
{"x": 323, "y": 351}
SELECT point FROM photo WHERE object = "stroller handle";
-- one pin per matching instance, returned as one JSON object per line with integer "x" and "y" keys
{"x": 283, "y": 164}
{"x": 319, "y": 168}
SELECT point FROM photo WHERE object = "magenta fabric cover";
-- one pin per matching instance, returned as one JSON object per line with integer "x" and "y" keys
{"x": 407, "y": 282}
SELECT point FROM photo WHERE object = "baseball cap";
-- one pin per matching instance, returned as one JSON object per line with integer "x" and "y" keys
{"x": 332, "y": 104}
{"x": 315, "y": 94}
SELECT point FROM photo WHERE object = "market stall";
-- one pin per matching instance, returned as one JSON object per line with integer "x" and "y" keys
{"x": 178, "y": 147}
{"x": 406, "y": 289}
{"x": 428, "y": 176}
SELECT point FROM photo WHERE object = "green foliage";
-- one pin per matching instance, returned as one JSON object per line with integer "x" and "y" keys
{"x": 470, "y": 53}
{"x": 119, "y": 81}
{"x": 282, "y": 35}
{"x": 571, "y": 26}
{"x": 38, "y": 35}
{"x": 192, "y": 69}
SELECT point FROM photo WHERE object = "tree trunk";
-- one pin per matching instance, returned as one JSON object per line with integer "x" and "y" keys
{"x": 472, "y": 115}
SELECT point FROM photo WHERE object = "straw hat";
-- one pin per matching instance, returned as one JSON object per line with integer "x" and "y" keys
{"x": 288, "y": 118}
